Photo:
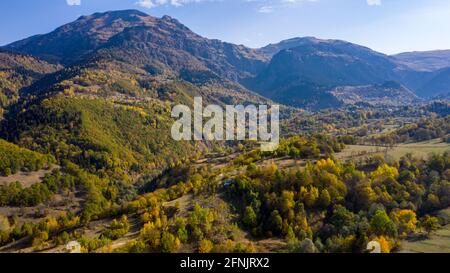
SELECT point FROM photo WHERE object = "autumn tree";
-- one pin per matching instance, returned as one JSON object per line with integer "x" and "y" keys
{"x": 430, "y": 224}
{"x": 381, "y": 224}
{"x": 324, "y": 199}
{"x": 205, "y": 246}
{"x": 250, "y": 219}
{"x": 406, "y": 221}
{"x": 169, "y": 243}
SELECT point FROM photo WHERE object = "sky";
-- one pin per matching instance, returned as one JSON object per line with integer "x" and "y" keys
{"x": 388, "y": 26}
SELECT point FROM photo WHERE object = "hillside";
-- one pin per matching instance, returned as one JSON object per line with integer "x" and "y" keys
{"x": 14, "y": 159}
{"x": 304, "y": 71}
{"x": 163, "y": 39}
{"x": 386, "y": 94}
{"x": 101, "y": 116}
{"x": 110, "y": 112}
{"x": 427, "y": 61}
{"x": 314, "y": 67}
{"x": 18, "y": 71}
{"x": 69, "y": 43}
{"x": 438, "y": 85}
{"x": 272, "y": 49}
{"x": 298, "y": 72}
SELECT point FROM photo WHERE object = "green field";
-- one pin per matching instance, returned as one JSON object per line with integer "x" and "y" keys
{"x": 420, "y": 150}
{"x": 438, "y": 242}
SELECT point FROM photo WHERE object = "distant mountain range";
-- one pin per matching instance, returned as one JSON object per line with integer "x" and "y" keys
{"x": 142, "y": 40}
{"x": 98, "y": 92}
{"x": 133, "y": 42}
{"x": 301, "y": 72}
{"x": 310, "y": 68}
{"x": 424, "y": 61}
{"x": 101, "y": 89}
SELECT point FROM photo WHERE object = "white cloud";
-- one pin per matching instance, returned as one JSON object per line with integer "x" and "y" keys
{"x": 374, "y": 2}
{"x": 73, "y": 2}
{"x": 145, "y": 4}
{"x": 265, "y": 9}
{"x": 269, "y": 6}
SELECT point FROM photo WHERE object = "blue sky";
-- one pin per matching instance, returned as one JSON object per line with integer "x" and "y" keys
{"x": 389, "y": 26}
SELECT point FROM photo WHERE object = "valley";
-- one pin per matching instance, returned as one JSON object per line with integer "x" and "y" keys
{"x": 86, "y": 152}
{"x": 419, "y": 150}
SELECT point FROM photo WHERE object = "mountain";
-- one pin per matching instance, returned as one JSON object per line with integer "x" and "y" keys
{"x": 70, "y": 42}
{"x": 170, "y": 45}
{"x": 386, "y": 94}
{"x": 18, "y": 71}
{"x": 163, "y": 41}
{"x": 272, "y": 49}
{"x": 316, "y": 66}
{"x": 439, "y": 84}
{"x": 144, "y": 52}
{"x": 300, "y": 72}
{"x": 424, "y": 72}
{"x": 109, "y": 110}
{"x": 93, "y": 133}
{"x": 304, "y": 71}
{"x": 427, "y": 61}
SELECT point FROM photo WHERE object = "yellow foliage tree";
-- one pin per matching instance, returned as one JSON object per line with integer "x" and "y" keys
{"x": 385, "y": 244}
{"x": 406, "y": 220}
{"x": 205, "y": 246}
{"x": 327, "y": 165}
{"x": 384, "y": 171}
{"x": 311, "y": 197}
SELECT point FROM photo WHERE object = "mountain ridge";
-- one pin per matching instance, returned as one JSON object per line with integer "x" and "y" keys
{"x": 427, "y": 61}
{"x": 315, "y": 67}
{"x": 18, "y": 71}
{"x": 290, "y": 71}
{"x": 74, "y": 41}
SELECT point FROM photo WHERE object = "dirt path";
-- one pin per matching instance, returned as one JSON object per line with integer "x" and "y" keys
{"x": 27, "y": 179}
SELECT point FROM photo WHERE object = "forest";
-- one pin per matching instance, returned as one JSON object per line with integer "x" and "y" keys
{"x": 86, "y": 153}
{"x": 326, "y": 205}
